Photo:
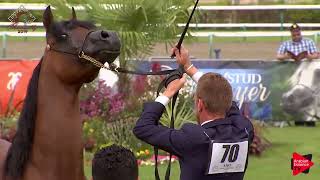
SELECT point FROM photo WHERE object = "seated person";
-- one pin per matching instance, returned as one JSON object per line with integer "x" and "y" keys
{"x": 114, "y": 163}
{"x": 298, "y": 48}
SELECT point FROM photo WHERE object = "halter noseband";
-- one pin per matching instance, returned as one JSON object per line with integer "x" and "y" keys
{"x": 82, "y": 55}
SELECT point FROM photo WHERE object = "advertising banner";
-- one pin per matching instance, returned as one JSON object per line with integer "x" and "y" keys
{"x": 264, "y": 90}
{"x": 14, "y": 78}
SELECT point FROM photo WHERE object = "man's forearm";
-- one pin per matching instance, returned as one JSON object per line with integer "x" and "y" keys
{"x": 282, "y": 57}
{"x": 313, "y": 56}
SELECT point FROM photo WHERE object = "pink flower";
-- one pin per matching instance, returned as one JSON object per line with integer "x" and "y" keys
{"x": 102, "y": 102}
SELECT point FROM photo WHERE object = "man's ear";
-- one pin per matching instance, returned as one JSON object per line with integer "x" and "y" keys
{"x": 200, "y": 105}
{"x": 47, "y": 18}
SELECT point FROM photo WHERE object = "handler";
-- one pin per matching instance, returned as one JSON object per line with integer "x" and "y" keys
{"x": 214, "y": 149}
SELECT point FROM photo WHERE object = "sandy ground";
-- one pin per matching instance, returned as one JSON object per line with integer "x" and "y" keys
{"x": 229, "y": 50}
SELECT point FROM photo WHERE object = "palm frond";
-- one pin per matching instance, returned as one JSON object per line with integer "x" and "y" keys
{"x": 182, "y": 114}
{"x": 140, "y": 23}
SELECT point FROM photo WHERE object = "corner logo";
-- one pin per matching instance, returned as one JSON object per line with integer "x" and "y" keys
{"x": 22, "y": 15}
{"x": 301, "y": 164}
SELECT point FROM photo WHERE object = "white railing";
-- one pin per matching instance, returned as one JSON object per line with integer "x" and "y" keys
{"x": 250, "y": 34}
{"x": 211, "y": 34}
{"x": 260, "y": 7}
{"x": 201, "y": 25}
{"x": 247, "y": 25}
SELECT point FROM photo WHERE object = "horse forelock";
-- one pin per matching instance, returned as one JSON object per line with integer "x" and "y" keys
{"x": 20, "y": 150}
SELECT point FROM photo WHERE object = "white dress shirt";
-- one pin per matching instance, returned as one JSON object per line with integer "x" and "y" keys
{"x": 207, "y": 122}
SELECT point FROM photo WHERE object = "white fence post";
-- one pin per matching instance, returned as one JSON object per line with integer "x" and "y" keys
{"x": 4, "y": 44}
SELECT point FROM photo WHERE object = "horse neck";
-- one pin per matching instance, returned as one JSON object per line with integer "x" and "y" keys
{"x": 58, "y": 103}
{"x": 58, "y": 131}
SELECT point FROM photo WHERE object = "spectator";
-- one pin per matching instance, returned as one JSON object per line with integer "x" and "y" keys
{"x": 298, "y": 48}
{"x": 114, "y": 163}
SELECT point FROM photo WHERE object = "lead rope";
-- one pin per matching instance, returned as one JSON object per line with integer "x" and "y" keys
{"x": 177, "y": 75}
{"x": 174, "y": 74}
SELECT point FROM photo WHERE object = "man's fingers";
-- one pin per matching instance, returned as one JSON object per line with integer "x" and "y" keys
{"x": 176, "y": 51}
{"x": 178, "y": 55}
{"x": 173, "y": 50}
{"x": 180, "y": 81}
{"x": 183, "y": 80}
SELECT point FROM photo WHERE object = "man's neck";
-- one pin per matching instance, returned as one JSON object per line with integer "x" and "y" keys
{"x": 297, "y": 41}
{"x": 208, "y": 118}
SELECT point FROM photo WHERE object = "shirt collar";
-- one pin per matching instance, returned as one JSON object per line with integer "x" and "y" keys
{"x": 293, "y": 42}
{"x": 203, "y": 123}
{"x": 215, "y": 122}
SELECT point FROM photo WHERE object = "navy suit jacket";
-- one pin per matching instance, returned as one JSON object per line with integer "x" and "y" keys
{"x": 190, "y": 143}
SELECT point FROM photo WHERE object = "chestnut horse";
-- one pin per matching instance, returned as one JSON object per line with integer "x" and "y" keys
{"x": 48, "y": 143}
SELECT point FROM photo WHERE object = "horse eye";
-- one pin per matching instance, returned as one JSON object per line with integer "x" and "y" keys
{"x": 64, "y": 36}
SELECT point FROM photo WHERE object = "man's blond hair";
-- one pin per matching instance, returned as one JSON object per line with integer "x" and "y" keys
{"x": 216, "y": 93}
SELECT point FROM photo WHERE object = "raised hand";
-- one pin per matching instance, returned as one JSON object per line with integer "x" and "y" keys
{"x": 174, "y": 86}
{"x": 182, "y": 56}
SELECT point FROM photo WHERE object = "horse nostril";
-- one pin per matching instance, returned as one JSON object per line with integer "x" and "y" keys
{"x": 104, "y": 34}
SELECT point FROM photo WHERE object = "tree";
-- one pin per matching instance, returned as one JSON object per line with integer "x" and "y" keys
{"x": 140, "y": 23}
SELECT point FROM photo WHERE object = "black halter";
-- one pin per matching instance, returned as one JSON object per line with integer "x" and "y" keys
{"x": 81, "y": 54}
{"x": 74, "y": 53}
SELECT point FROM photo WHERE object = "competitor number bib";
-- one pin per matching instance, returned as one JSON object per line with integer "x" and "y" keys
{"x": 227, "y": 157}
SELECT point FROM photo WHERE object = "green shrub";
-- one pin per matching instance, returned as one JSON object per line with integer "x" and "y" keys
{"x": 260, "y": 143}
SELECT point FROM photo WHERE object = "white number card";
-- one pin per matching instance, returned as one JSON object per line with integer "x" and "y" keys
{"x": 227, "y": 157}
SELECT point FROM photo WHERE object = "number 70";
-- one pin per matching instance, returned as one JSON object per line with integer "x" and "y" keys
{"x": 231, "y": 151}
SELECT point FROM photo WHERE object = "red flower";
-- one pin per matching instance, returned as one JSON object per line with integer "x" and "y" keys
{"x": 155, "y": 67}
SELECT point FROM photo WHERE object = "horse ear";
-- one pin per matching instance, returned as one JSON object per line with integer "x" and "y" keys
{"x": 74, "y": 16}
{"x": 47, "y": 18}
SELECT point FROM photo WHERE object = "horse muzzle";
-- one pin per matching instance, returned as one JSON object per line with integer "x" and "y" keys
{"x": 104, "y": 46}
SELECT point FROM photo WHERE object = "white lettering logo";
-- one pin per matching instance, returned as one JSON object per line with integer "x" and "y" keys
{"x": 252, "y": 88}
{"x": 14, "y": 79}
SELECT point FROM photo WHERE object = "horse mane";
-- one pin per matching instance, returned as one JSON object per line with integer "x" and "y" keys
{"x": 19, "y": 152}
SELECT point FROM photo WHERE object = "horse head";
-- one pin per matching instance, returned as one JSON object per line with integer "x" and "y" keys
{"x": 297, "y": 99}
{"x": 61, "y": 72}
{"x": 304, "y": 88}
{"x": 66, "y": 40}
